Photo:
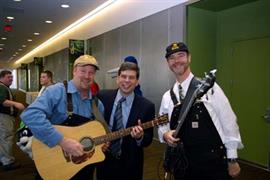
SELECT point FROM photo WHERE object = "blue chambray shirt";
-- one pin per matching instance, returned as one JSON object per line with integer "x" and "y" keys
{"x": 51, "y": 108}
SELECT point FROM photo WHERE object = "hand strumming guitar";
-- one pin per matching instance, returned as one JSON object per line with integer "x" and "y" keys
{"x": 71, "y": 147}
{"x": 169, "y": 139}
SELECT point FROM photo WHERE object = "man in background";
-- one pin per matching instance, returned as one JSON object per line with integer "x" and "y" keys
{"x": 8, "y": 111}
{"x": 46, "y": 79}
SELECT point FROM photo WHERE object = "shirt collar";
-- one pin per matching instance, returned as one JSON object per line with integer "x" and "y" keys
{"x": 72, "y": 89}
{"x": 184, "y": 84}
{"x": 129, "y": 98}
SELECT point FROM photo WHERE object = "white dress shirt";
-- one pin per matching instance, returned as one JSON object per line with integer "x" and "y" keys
{"x": 220, "y": 112}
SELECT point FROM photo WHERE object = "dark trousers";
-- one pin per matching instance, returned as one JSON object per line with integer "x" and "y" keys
{"x": 205, "y": 164}
{"x": 115, "y": 168}
{"x": 85, "y": 173}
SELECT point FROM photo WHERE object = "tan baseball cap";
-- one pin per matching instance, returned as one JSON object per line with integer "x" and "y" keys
{"x": 86, "y": 60}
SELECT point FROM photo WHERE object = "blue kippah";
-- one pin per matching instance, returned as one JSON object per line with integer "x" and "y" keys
{"x": 131, "y": 59}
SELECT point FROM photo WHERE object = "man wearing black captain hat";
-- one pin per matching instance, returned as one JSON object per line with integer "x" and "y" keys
{"x": 210, "y": 134}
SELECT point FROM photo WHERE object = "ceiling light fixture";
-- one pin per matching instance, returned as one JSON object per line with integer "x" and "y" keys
{"x": 20, "y": 49}
{"x": 2, "y": 44}
{"x": 29, "y": 40}
{"x": 10, "y": 17}
{"x": 64, "y": 5}
{"x": 23, "y": 46}
{"x": 67, "y": 29}
{"x": 17, "y": 0}
{"x": 48, "y": 22}
{"x": 36, "y": 33}
{"x": 3, "y": 38}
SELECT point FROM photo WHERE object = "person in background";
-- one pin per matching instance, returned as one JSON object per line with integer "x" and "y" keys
{"x": 123, "y": 109}
{"x": 55, "y": 107}
{"x": 210, "y": 134}
{"x": 46, "y": 79}
{"x": 132, "y": 59}
{"x": 8, "y": 109}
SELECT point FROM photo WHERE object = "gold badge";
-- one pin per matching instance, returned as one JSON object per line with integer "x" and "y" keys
{"x": 174, "y": 46}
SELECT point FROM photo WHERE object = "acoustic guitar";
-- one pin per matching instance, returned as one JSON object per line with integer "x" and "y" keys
{"x": 54, "y": 163}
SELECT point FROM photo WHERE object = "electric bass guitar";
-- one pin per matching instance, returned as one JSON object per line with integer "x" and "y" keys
{"x": 175, "y": 160}
{"x": 54, "y": 163}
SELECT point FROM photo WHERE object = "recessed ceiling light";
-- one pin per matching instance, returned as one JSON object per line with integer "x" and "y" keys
{"x": 10, "y": 17}
{"x": 17, "y": 0}
{"x": 48, "y": 22}
{"x": 3, "y": 38}
{"x": 64, "y": 5}
{"x": 29, "y": 40}
{"x": 16, "y": 53}
{"x": 36, "y": 33}
{"x": 23, "y": 45}
{"x": 1, "y": 49}
{"x": 2, "y": 44}
{"x": 20, "y": 49}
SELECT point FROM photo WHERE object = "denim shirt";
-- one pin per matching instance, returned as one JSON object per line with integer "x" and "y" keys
{"x": 51, "y": 109}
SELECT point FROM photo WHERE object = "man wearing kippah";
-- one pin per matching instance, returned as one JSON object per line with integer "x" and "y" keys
{"x": 209, "y": 135}
{"x": 52, "y": 108}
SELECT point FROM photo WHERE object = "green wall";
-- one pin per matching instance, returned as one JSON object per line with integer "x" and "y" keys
{"x": 211, "y": 37}
{"x": 250, "y": 21}
{"x": 201, "y": 39}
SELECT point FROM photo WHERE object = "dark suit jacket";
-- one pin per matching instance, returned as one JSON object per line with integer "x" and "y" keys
{"x": 132, "y": 154}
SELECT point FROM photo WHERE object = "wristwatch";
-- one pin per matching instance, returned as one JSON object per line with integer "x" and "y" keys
{"x": 232, "y": 160}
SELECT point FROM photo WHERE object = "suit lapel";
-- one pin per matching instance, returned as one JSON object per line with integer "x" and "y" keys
{"x": 134, "y": 111}
{"x": 111, "y": 97}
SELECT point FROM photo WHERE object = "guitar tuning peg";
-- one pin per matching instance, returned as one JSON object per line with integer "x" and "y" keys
{"x": 213, "y": 72}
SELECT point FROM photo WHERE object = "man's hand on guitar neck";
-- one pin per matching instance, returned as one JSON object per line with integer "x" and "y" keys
{"x": 137, "y": 131}
{"x": 71, "y": 147}
{"x": 169, "y": 139}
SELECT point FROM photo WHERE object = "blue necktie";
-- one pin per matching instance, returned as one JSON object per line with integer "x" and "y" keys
{"x": 115, "y": 147}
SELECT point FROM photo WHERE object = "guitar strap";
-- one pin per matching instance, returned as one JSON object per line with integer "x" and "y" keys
{"x": 192, "y": 87}
{"x": 96, "y": 115}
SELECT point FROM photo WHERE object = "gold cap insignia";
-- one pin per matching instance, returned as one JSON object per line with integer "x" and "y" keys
{"x": 175, "y": 46}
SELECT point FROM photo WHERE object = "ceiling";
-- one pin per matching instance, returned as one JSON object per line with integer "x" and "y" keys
{"x": 219, "y": 5}
{"x": 30, "y": 16}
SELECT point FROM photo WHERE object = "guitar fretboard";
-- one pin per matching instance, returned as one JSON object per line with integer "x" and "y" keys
{"x": 125, "y": 132}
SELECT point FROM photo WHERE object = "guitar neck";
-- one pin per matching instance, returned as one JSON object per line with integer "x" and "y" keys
{"x": 125, "y": 132}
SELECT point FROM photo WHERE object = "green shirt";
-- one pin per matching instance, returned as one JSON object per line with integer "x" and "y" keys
{"x": 5, "y": 94}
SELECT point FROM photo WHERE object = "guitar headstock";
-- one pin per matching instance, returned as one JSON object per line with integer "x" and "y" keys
{"x": 163, "y": 119}
{"x": 206, "y": 83}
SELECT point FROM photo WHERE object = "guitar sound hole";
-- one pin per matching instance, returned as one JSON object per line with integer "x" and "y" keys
{"x": 88, "y": 144}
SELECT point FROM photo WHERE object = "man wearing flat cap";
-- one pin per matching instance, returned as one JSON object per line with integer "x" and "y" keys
{"x": 67, "y": 103}
{"x": 209, "y": 135}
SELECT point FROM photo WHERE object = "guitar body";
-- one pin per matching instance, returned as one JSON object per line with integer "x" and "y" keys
{"x": 51, "y": 162}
